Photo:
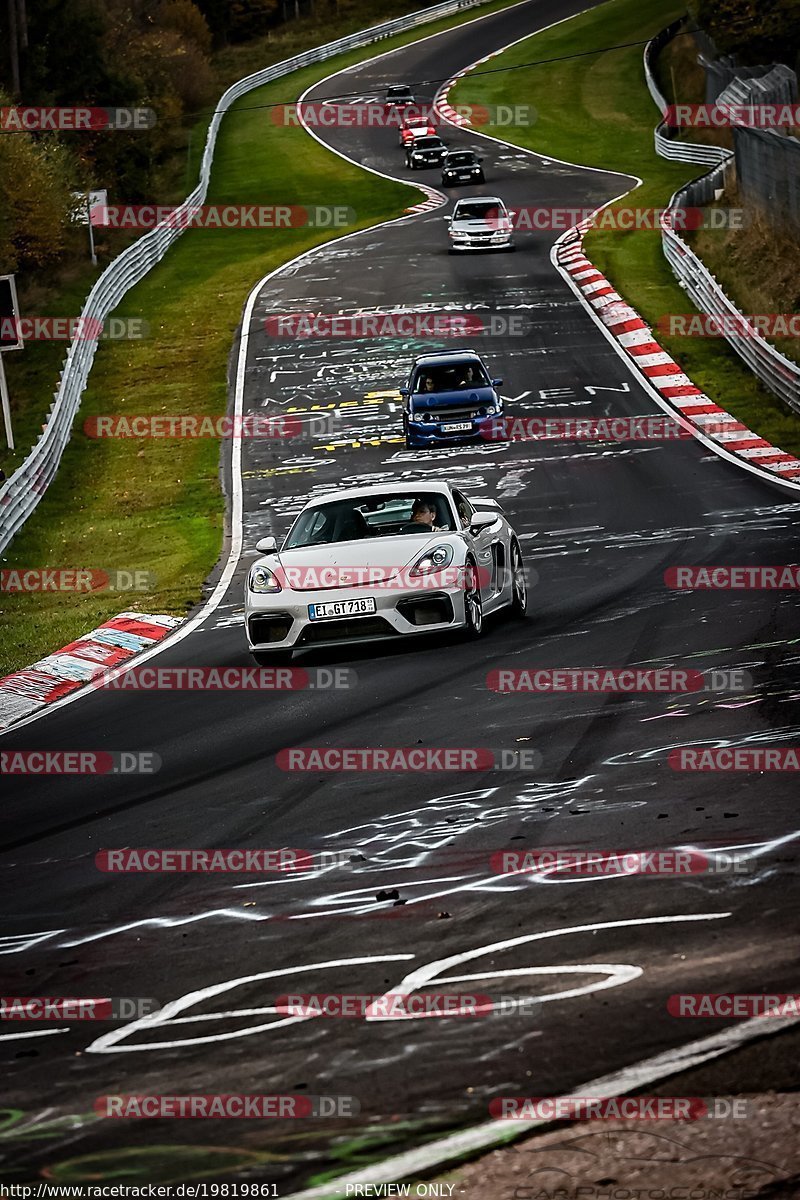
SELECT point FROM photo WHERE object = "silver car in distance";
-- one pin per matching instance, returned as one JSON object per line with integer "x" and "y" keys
{"x": 394, "y": 560}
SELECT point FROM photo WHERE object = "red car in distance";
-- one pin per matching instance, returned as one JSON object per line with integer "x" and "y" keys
{"x": 415, "y": 125}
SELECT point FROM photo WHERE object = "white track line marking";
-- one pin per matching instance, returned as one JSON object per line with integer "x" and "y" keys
{"x": 423, "y": 975}
{"x": 10, "y": 1037}
{"x": 107, "y": 1043}
{"x": 470, "y": 1142}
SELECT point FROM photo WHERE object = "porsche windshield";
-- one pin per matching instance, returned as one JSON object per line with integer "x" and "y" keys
{"x": 371, "y": 517}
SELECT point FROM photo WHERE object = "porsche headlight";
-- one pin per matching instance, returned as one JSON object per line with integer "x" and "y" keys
{"x": 433, "y": 560}
{"x": 261, "y": 580}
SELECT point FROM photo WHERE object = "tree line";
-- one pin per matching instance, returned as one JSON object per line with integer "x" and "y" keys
{"x": 153, "y": 54}
{"x": 757, "y": 31}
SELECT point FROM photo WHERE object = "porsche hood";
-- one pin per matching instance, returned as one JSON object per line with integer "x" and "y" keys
{"x": 350, "y": 564}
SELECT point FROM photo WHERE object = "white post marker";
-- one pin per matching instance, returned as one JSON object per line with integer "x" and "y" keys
{"x": 9, "y": 313}
{"x": 91, "y": 229}
{"x": 6, "y": 406}
{"x": 97, "y": 200}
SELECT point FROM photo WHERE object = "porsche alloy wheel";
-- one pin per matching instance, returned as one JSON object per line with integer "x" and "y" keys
{"x": 519, "y": 587}
{"x": 473, "y": 605}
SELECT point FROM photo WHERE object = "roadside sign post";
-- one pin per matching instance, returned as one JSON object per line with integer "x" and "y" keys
{"x": 82, "y": 214}
{"x": 91, "y": 228}
{"x": 6, "y": 405}
{"x": 10, "y": 339}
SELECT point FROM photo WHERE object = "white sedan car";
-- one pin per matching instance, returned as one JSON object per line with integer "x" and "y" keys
{"x": 480, "y": 223}
{"x": 396, "y": 560}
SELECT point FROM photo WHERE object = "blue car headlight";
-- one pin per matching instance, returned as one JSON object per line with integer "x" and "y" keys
{"x": 262, "y": 581}
{"x": 433, "y": 560}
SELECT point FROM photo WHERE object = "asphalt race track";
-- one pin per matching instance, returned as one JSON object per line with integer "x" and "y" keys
{"x": 599, "y": 525}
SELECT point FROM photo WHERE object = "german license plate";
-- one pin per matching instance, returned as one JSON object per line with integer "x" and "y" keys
{"x": 458, "y": 427}
{"x": 341, "y": 608}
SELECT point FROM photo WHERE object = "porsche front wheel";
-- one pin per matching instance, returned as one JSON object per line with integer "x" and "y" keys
{"x": 473, "y": 604}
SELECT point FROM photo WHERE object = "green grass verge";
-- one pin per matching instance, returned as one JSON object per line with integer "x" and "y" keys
{"x": 157, "y": 505}
{"x": 597, "y": 111}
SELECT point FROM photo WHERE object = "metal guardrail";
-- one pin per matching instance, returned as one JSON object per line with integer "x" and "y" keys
{"x": 703, "y": 156}
{"x": 666, "y": 144}
{"x": 21, "y": 493}
{"x": 775, "y": 370}
{"x": 767, "y": 161}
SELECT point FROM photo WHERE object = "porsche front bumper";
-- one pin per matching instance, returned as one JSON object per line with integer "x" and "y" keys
{"x": 281, "y": 620}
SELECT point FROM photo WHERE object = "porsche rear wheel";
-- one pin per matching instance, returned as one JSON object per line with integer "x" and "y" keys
{"x": 519, "y": 586}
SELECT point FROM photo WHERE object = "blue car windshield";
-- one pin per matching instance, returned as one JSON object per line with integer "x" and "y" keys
{"x": 450, "y": 377}
{"x": 371, "y": 517}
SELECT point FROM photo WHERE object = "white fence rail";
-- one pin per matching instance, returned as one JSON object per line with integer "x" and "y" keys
{"x": 775, "y": 370}
{"x": 666, "y": 144}
{"x": 20, "y": 494}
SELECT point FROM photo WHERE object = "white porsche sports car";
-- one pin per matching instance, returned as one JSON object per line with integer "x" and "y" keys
{"x": 395, "y": 560}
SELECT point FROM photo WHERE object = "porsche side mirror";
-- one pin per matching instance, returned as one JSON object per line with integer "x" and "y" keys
{"x": 482, "y": 520}
{"x": 266, "y": 545}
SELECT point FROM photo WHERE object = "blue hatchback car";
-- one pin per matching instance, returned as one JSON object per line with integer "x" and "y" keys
{"x": 450, "y": 398}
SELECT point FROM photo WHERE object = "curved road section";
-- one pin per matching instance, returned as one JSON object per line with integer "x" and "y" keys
{"x": 418, "y": 891}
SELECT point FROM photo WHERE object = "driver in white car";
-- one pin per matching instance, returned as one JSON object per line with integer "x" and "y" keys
{"x": 423, "y": 514}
